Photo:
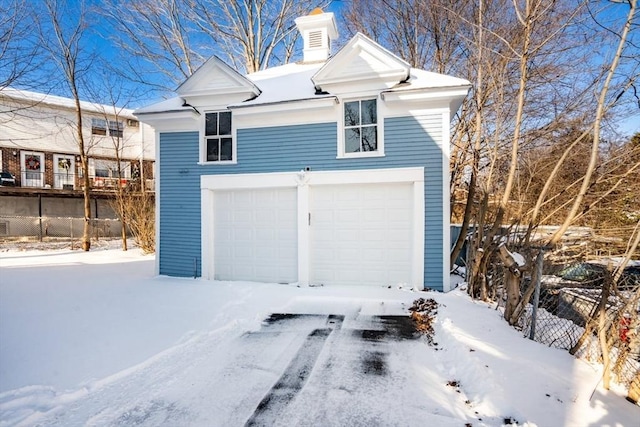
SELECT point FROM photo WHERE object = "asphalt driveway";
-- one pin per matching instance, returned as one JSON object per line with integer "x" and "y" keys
{"x": 348, "y": 367}
{"x": 365, "y": 346}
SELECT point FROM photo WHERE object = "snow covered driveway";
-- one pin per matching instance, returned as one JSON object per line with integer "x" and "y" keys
{"x": 94, "y": 339}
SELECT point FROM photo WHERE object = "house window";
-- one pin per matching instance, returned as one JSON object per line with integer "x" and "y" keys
{"x": 109, "y": 168}
{"x": 218, "y": 138}
{"x": 101, "y": 126}
{"x": 360, "y": 126}
{"x": 116, "y": 128}
{"x": 98, "y": 127}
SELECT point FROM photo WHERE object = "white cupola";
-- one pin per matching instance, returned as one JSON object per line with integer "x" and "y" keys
{"x": 317, "y": 29}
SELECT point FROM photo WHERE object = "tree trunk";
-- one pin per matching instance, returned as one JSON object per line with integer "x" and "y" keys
{"x": 512, "y": 282}
{"x": 86, "y": 191}
{"x": 120, "y": 199}
{"x": 476, "y": 149}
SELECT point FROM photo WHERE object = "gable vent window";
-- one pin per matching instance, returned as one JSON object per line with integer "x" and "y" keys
{"x": 315, "y": 39}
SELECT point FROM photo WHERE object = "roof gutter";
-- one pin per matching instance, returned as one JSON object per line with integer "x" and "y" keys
{"x": 288, "y": 101}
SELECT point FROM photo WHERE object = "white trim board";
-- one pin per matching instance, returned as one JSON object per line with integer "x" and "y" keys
{"x": 304, "y": 180}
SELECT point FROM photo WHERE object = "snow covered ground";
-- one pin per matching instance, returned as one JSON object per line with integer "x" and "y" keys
{"x": 95, "y": 339}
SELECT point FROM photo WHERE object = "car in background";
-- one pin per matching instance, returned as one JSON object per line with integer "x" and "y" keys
{"x": 7, "y": 180}
{"x": 573, "y": 293}
{"x": 630, "y": 278}
{"x": 591, "y": 275}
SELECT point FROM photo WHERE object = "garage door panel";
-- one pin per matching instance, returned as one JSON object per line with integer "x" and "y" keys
{"x": 288, "y": 216}
{"x": 375, "y": 215}
{"x": 260, "y": 226}
{"x": 373, "y": 255}
{"x": 348, "y": 254}
{"x": 399, "y": 256}
{"x": 264, "y": 235}
{"x": 286, "y": 235}
{"x": 347, "y": 216}
{"x": 361, "y": 234}
{"x": 373, "y": 235}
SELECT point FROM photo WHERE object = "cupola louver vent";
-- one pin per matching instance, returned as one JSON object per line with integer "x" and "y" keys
{"x": 317, "y": 29}
{"x": 315, "y": 39}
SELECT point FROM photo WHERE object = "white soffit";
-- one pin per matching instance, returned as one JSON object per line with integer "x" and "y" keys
{"x": 167, "y": 114}
{"x": 362, "y": 59}
{"x": 215, "y": 77}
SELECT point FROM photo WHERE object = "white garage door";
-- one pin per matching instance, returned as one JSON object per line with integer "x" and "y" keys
{"x": 361, "y": 234}
{"x": 255, "y": 235}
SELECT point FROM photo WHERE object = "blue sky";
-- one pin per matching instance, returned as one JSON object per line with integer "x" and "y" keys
{"x": 98, "y": 42}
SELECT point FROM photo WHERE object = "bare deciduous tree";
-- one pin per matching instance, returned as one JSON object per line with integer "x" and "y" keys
{"x": 18, "y": 49}
{"x": 155, "y": 41}
{"x": 61, "y": 33}
{"x": 599, "y": 114}
{"x": 170, "y": 39}
{"x": 252, "y": 33}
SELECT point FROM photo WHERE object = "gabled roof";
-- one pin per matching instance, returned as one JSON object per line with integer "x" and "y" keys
{"x": 362, "y": 59}
{"x": 217, "y": 77}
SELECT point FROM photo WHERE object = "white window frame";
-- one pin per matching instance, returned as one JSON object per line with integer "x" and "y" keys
{"x": 108, "y": 126}
{"x": 97, "y": 123}
{"x": 342, "y": 154}
{"x": 112, "y": 165}
{"x": 115, "y": 126}
{"x": 203, "y": 140}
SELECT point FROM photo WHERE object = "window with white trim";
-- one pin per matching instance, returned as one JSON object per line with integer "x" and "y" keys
{"x": 218, "y": 138}
{"x": 360, "y": 126}
{"x": 115, "y": 128}
{"x": 98, "y": 127}
{"x": 99, "y": 168}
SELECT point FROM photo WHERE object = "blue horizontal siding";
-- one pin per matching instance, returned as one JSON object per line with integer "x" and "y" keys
{"x": 422, "y": 138}
{"x": 409, "y": 142}
{"x": 180, "y": 223}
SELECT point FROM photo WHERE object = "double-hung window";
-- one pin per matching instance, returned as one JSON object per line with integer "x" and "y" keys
{"x": 218, "y": 137}
{"x": 100, "y": 126}
{"x": 360, "y": 126}
{"x": 116, "y": 128}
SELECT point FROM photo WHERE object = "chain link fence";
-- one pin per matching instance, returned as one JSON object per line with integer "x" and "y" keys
{"x": 565, "y": 314}
{"x": 54, "y": 229}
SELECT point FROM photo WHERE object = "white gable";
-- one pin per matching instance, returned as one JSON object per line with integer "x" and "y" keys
{"x": 215, "y": 77}
{"x": 362, "y": 61}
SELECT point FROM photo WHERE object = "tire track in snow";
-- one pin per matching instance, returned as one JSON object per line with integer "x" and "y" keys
{"x": 295, "y": 376}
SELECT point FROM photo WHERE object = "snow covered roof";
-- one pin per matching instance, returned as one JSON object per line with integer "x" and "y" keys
{"x": 36, "y": 98}
{"x": 422, "y": 79}
{"x": 292, "y": 82}
{"x": 286, "y": 83}
{"x": 167, "y": 106}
